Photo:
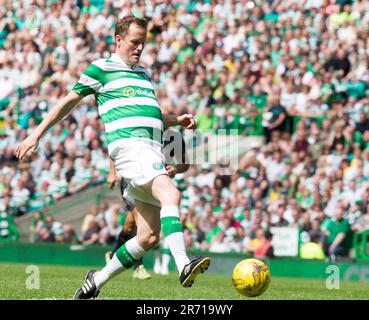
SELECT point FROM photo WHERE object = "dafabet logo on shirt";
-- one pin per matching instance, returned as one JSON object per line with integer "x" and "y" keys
{"x": 129, "y": 92}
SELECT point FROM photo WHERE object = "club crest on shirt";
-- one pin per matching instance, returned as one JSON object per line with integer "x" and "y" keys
{"x": 129, "y": 92}
{"x": 157, "y": 166}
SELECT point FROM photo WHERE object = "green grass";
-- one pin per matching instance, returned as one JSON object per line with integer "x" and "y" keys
{"x": 60, "y": 282}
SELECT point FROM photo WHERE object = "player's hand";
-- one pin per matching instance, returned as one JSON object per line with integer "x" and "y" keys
{"x": 27, "y": 147}
{"x": 112, "y": 180}
{"x": 171, "y": 170}
{"x": 187, "y": 121}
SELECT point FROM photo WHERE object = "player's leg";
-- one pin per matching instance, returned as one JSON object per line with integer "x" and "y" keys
{"x": 165, "y": 258}
{"x": 139, "y": 270}
{"x": 148, "y": 229}
{"x": 157, "y": 262}
{"x": 163, "y": 189}
{"x": 127, "y": 233}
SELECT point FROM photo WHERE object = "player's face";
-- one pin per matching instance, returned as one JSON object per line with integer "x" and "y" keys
{"x": 130, "y": 47}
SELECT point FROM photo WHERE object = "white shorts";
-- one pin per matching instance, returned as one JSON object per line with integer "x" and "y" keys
{"x": 139, "y": 162}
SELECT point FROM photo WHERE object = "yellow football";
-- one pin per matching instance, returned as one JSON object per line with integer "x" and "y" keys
{"x": 251, "y": 277}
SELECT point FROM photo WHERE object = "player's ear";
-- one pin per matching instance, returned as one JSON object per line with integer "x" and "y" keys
{"x": 118, "y": 40}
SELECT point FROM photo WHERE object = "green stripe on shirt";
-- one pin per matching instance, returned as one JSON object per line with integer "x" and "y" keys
{"x": 135, "y": 132}
{"x": 83, "y": 90}
{"x": 131, "y": 111}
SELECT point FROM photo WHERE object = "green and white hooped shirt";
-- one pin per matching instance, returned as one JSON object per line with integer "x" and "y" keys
{"x": 126, "y": 100}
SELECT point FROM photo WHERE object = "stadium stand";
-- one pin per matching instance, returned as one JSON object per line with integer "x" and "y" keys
{"x": 294, "y": 72}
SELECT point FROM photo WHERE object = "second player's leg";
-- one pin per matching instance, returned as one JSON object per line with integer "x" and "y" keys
{"x": 127, "y": 233}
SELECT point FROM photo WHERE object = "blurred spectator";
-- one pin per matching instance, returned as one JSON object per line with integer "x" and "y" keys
{"x": 218, "y": 244}
{"x": 212, "y": 233}
{"x": 362, "y": 223}
{"x": 82, "y": 178}
{"x": 339, "y": 62}
{"x": 8, "y": 229}
{"x": 37, "y": 218}
{"x": 91, "y": 234}
{"x": 261, "y": 245}
{"x": 312, "y": 250}
{"x": 20, "y": 196}
{"x": 206, "y": 177}
{"x": 363, "y": 124}
{"x": 338, "y": 235}
{"x": 275, "y": 117}
{"x": 315, "y": 233}
{"x": 47, "y": 229}
{"x": 102, "y": 225}
{"x": 91, "y": 216}
{"x": 45, "y": 235}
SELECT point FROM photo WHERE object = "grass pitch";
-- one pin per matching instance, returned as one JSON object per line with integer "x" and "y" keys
{"x": 60, "y": 282}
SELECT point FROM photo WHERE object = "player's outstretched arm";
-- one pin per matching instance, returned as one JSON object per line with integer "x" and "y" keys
{"x": 29, "y": 145}
{"x": 185, "y": 120}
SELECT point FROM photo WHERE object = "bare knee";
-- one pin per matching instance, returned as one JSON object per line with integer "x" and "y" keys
{"x": 148, "y": 240}
{"x": 170, "y": 196}
{"x": 164, "y": 190}
{"x": 175, "y": 195}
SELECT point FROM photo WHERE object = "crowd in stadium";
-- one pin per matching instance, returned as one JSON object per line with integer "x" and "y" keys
{"x": 296, "y": 72}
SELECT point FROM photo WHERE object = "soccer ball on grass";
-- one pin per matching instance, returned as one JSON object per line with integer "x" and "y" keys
{"x": 251, "y": 277}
